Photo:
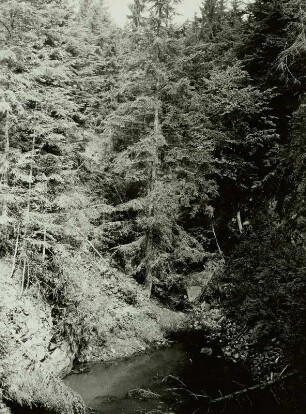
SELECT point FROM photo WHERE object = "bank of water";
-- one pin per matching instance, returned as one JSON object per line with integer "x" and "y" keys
{"x": 172, "y": 380}
{"x": 179, "y": 379}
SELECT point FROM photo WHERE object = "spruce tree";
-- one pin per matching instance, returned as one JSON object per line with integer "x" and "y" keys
{"x": 150, "y": 155}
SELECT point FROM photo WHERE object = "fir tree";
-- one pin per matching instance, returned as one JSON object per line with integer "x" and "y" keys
{"x": 152, "y": 137}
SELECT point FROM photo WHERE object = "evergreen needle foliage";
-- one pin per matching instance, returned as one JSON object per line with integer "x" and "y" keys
{"x": 150, "y": 155}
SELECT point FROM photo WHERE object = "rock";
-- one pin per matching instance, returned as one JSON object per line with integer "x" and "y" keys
{"x": 140, "y": 394}
{"x": 52, "y": 346}
{"x": 60, "y": 361}
{"x": 207, "y": 351}
{"x": 81, "y": 369}
{"x": 205, "y": 306}
{"x": 194, "y": 293}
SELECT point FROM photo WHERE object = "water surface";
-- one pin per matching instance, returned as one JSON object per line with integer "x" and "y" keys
{"x": 175, "y": 380}
{"x": 178, "y": 379}
{"x": 105, "y": 387}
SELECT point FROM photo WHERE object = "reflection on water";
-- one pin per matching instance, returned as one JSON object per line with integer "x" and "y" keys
{"x": 178, "y": 379}
{"x": 106, "y": 386}
{"x": 175, "y": 380}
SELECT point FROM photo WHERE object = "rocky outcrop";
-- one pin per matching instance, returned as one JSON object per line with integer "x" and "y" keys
{"x": 60, "y": 359}
{"x": 26, "y": 330}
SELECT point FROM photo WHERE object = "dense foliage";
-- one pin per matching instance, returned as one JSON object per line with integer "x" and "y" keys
{"x": 263, "y": 288}
{"x": 159, "y": 150}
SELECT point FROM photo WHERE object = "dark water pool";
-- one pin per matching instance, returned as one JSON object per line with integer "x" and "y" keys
{"x": 114, "y": 388}
{"x": 172, "y": 380}
{"x": 177, "y": 380}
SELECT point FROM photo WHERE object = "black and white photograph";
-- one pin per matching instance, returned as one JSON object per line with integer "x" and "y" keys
{"x": 153, "y": 207}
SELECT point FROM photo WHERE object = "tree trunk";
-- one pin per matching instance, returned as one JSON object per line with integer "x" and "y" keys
{"x": 151, "y": 211}
{"x": 240, "y": 226}
{"x": 5, "y": 157}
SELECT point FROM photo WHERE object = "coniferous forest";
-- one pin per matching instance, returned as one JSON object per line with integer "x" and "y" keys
{"x": 152, "y": 196}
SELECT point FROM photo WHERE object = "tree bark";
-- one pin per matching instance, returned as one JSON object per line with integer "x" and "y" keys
{"x": 151, "y": 210}
{"x": 240, "y": 226}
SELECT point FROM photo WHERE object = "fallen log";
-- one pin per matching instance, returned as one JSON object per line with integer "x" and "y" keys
{"x": 257, "y": 387}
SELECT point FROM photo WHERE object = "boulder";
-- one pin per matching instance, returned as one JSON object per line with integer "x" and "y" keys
{"x": 194, "y": 293}
{"x": 207, "y": 351}
{"x": 60, "y": 360}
